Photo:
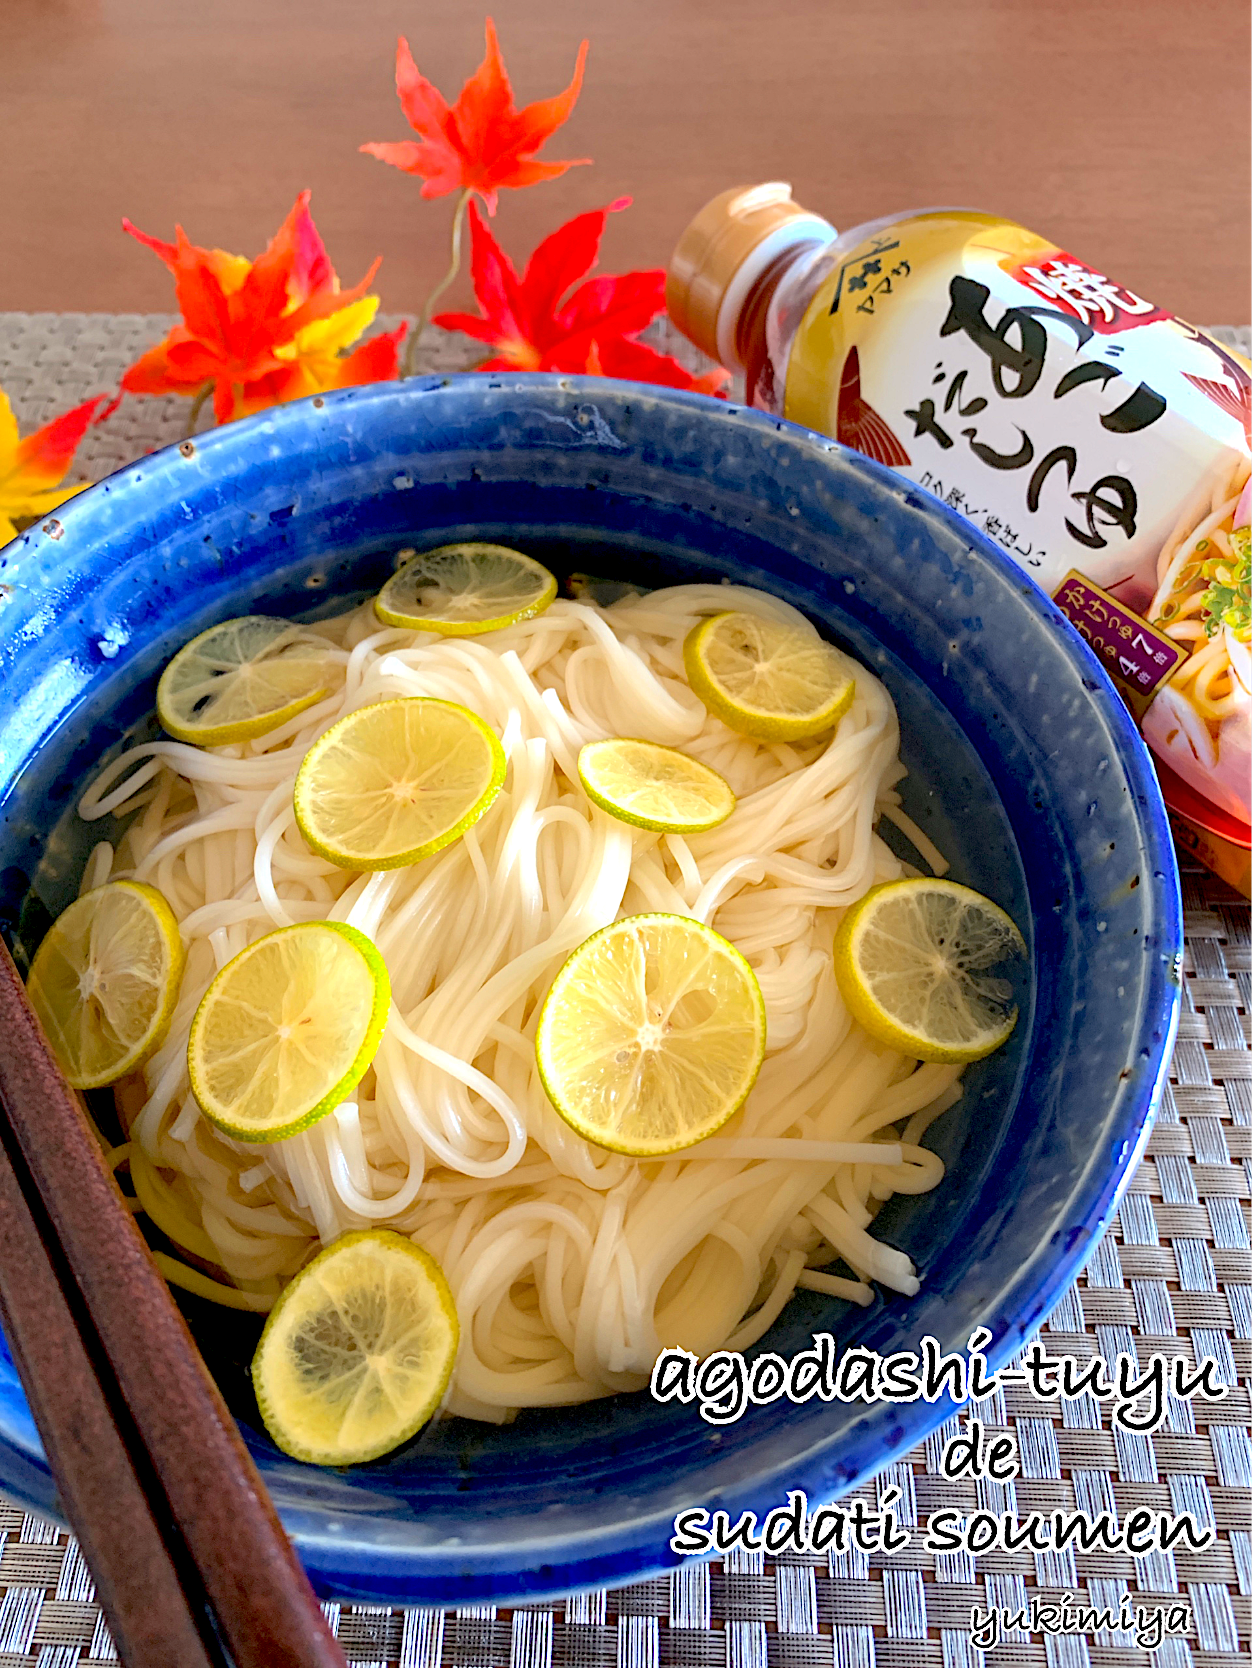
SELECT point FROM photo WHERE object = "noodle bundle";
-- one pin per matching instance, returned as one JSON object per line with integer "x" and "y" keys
{"x": 571, "y": 1266}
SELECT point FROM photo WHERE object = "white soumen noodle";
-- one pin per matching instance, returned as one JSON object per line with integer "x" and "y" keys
{"x": 571, "y": 1266}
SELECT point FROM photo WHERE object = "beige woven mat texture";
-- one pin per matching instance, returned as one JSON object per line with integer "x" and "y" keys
{"x": 1173, "y": 1275}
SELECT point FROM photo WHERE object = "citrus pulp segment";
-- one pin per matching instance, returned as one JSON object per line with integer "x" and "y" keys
{"x": 767, "y": 678}
{"x": 462, "y": 590}
{"x": 651, "y": 1035}
{"x": 394, "y": 782}
{"x": 358, "y": 1350}
{"x": 242, "y": 678}
{"x": 287, "y": 1029}
{"x": 913, "y": 962}
{"x": 105, "y": 981}
{"x": 651, "y": 786}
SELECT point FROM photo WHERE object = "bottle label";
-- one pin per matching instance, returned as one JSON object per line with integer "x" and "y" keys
{"x": 1098, "y": 440}
{"x": 1135, "y": 655}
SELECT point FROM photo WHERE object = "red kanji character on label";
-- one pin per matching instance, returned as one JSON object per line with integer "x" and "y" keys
{"x": 1088, "y": 295}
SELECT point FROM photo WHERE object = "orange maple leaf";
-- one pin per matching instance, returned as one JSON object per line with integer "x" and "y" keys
{"x": 259, "y": 333}
{"x": 483, "y": 142}
{"x": 32, "y": 469}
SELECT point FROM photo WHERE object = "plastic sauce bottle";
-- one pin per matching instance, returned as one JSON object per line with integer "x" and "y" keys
{"x": 1103, "y": 444}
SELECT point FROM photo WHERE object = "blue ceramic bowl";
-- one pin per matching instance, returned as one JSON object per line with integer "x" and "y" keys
{"x": 1024, "y": 769}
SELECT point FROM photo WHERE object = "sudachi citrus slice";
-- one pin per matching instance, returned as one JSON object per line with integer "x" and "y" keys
{"x": 242, "y": 678}
{"x": 914, "y": 960}
{"x": 462, "y": 590}
{"x": 651, "y": 786}
{"x": 651, "y": 1035}
{"x": 768, "y": 678}
{"x": 394, "y": 782}
{"x": 105, "y": 981}
{"x": 287, "y": 1029}
{"x": 358, "y": 1350}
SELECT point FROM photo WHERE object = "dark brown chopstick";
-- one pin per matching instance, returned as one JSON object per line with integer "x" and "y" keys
{"x": 202, "y": 1493}
{"x": 148, "y": 1610}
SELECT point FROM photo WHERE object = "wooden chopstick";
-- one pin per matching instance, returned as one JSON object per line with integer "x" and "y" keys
{"x": 149, "y": 1612}
{"x": 203, "y": 1491}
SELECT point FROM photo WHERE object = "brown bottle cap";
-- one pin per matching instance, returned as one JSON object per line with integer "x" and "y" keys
{"x": 713, "y": 248}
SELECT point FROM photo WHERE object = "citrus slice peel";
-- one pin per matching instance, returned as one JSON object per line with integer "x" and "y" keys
{"x": 105, "y": 981}
{"x": 913, "y": 962}
{"x": 287, "y": 1029}
{"x": 651, "y": 786}
{"x": 651, "y": 1035}
{"x": 771, "y": 679}
{"x": 397, "y": 781}
{"x": 357, "y": 1353}
{"x": 241, "y": 679}
{"x": 464, "y": 590}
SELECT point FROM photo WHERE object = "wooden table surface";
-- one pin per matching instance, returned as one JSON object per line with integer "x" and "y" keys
{"x": 1118, "y": 127}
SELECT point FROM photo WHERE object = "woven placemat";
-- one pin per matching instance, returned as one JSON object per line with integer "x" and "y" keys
{"x": 1173, "y": 1275}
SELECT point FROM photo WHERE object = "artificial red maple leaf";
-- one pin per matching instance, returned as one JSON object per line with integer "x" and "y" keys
{"x": 637, "y": 362}
{"x": 547, "y": 320}
{"x": 483, "y": 142}
{"x": 259, "y": 332}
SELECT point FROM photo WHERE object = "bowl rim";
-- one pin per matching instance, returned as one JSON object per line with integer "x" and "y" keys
{"x": 351, "y": 1568}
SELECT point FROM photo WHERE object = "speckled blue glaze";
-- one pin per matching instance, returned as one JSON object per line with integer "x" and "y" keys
{"x": 1024, "y": 767}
